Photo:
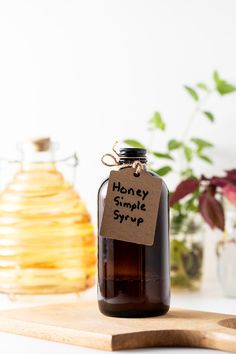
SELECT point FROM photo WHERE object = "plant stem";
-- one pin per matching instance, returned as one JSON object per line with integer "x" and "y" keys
{"x": 189, "y": 124}
{"x": 198, "y": 108}
{"x": 151, "y": 140}
{"x": 193, "y": 115}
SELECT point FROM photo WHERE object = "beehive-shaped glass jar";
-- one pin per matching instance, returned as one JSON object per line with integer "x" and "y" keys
{"x": 47, "y": 242}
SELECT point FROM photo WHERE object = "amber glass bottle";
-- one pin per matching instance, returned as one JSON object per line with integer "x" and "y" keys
{"x": 133, "y": 279}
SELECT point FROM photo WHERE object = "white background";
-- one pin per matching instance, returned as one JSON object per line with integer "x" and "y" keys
{"x": 89, "y": 72}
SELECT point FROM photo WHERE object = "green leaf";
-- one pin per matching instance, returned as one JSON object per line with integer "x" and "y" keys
{"x": 192, "y": 203}
{"x": 174, "y": 144}
{"x": 201, "y": 144}
{"x": 188, "y": 153}
{"x": 187, "y": 173}
{"x": 162, "y": 155}
{"x": 222, "y": 86}
{"x": 177, "y": 206}
{"x": 205, "y": 158}
{"x": 134, "y": 143}
{"x": 192, "y": 92}
{"x": 216, "y": 77}
{"x": 163, "y": 170}
{"x": 209, "y": 115}
{"x": 203, "y": 86}
{"x": 157, "y": 122}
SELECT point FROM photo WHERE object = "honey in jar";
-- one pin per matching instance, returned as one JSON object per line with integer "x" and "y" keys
{"x": 47, "y": 242}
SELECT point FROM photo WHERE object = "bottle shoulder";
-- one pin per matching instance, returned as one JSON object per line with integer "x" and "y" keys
{"x": 103, "y": 184}
{"x": 164, "y": 185}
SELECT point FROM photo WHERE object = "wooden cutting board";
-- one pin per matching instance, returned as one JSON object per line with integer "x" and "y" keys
{"x": 81, "y": 323}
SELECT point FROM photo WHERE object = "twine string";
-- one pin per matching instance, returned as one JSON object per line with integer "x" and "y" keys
{"x": 137, "y": 165}
{"x": 114, "y": 163}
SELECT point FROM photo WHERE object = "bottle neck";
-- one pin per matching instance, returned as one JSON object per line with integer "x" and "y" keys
{"x": 127, "y": 156}
{"x": 128, "y": 162}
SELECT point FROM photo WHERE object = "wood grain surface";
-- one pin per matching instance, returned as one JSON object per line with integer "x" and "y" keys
{"x": 80, "y": 323}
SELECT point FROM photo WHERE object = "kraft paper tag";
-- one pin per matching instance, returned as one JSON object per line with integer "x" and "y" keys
{"x": 131, "y": 206}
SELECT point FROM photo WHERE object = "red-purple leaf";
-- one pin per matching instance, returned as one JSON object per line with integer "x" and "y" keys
{"x": 219, "y": 181}
{"x": 184, "y": 188}
{"x": 231, "y": 174}
{"x": 204, "y": 178}
{"x": 211, "y": 189}
{"x": 229, "y": 192}
{"x": 212, "y": 211}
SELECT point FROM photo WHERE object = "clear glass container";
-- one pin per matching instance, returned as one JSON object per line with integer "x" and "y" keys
{"x": 186, "y": 254}
{"x": 226, "y": 252}
{"x": 47, "y": 242}
{"x": 226, "y": 263}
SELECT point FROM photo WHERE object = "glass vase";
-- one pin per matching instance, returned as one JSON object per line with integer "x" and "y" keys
{"x": 226, "y": 263}
{"x": 226, "y": 253}
{"x": 186, "y": 249}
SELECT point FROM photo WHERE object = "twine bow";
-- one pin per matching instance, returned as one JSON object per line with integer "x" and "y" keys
{"x": 137, "y": 165}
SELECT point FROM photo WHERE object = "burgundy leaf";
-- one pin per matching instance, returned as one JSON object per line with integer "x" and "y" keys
{"x": 212, "y": 211}
{"x": 211, "y": 189}
{"x": 229, "y": 192}
{"x": 231, "y": 174}
{"x": 184, "y": 188}
{"x": 204, "y": 178}
{"x": 219, "y": 181}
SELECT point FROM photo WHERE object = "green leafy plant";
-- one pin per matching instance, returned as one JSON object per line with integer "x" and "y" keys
{"x": 194, "y": 194}
{"x": 180, "y": 154}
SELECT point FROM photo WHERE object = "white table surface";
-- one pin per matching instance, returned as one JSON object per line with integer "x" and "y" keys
{"x": 211, "y": 300}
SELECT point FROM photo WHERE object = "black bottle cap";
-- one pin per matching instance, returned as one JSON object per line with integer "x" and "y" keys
{"x": 132, "y": 154}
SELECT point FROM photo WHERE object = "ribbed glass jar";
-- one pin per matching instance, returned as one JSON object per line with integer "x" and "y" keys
{"x": 47, "y": 242}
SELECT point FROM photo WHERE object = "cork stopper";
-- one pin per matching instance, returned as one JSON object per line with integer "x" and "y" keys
{"x": 37, "y": 149}
{"x": 41, "y": 144}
